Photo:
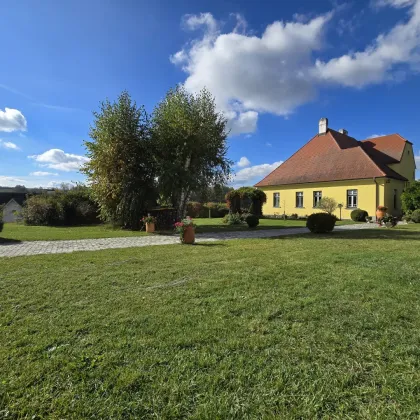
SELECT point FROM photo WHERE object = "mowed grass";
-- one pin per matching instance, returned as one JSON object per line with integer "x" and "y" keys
{"x": 21, "y": 232}
{"x": 295, "y": 327}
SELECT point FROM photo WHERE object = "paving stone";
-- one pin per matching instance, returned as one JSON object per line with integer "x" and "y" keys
{"x": 61, "y": 247}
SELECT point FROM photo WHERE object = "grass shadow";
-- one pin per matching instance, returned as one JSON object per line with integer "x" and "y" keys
{"x": 210, "y": 244}
{"x": 370, "y": 234}
{"x": 7, "y": 241}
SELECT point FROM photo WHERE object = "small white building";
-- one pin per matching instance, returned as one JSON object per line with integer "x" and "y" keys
{"x": 12, "y": 211}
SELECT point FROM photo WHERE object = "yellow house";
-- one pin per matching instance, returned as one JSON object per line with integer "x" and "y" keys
{"x": 357, "y": 174}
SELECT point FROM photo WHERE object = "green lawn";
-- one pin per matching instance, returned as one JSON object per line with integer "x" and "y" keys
{"x": 20, "y": 232}
{"x": 296, "y": 327}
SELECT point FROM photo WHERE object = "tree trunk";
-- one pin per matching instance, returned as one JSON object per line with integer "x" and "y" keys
{"x": 185, "y": 192}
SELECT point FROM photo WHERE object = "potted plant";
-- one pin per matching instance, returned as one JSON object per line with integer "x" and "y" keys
{"x": 150, "y": 223}
{"x": 389, "y": 221}
{"x": 381, "y": 212}
{"x": 186, "y": 230}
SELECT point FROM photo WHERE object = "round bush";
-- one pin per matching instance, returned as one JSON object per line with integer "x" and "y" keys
{"x": 252, "y": 220}
{"x": 232, "y": 219}
{"x": 415, "y": 216}
{"x": 359, "y": 215}
{"x": 321, "y": 222}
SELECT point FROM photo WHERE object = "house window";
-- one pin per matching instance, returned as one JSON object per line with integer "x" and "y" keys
{"x": 352, "y": 198}
{"x": 276, "y": 199}
{"x": 299, "y": 199}
{"x": 317, "y": 198}
{"x": 395, "y": 199}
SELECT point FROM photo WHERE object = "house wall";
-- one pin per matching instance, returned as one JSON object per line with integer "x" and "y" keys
{"x": 8, "y": 210}
{"x": 389, "y": 187}
{"x": 370, "y": 195}
{"x": 407, "y": 166}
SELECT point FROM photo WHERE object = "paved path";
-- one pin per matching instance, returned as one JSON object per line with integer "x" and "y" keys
{"x": 61, "y": 247}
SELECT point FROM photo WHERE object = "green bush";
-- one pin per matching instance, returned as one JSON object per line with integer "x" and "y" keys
{"x": 321, "y": 222}
{"x": 415, "y": 216}
{"x": 233, "y": 219}
{"x": 410, "y": 198}
{"x": 359, "y": 215}
{"x": 61, "y": 208}
{"x": 194, "y": 209}
{"x": 252, "y": 220}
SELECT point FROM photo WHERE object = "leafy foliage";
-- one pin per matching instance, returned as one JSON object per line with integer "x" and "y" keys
{"x": 196, "y": 209}
{"x": 328, "y": 205}
{"x": 233, "y": 219}
{"x": 121, "y": 170}
{"x": 61, "y": 208}
{"x": 165, "y": 217}
{"x": 415, "y": 216}
{"x": 252, "y": 220}
{"x": 248, "y": 199}
{"x": 189, "y": 137}
{"x": 388, "y": 221}
{"x": 359, "y": 215}
{"x": 410, "y": 198}
{"x": 321, "y": 222}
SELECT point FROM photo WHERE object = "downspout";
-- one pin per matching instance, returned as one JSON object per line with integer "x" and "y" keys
{"x": 377, "y": 192}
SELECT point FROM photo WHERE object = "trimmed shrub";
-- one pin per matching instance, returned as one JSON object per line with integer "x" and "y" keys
{"x": 359, "y": 215}
{"x": 321, "y": 222}
{"x": 415, "y": 216}
{"x": 252, "y": 220}
{"x": 194, "y": 209}
{"x": 233, "y": 219}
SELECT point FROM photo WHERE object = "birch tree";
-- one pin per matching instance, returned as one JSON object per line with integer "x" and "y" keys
{"x": 190, "y": 143}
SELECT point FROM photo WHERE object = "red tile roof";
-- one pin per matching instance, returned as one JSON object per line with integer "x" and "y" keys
{"x": 335, "y": 156}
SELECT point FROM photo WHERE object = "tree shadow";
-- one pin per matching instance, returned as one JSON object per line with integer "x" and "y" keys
{"x": 209, "y": 244}
{"x": 370, "y": 234}
{"x": 7, "y": 241}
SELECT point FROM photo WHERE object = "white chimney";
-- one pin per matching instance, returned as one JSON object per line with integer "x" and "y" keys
{"x": 323, "y": 125}
{"x": 343, "y": 131}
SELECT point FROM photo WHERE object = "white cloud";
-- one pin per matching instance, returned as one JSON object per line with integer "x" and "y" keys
{"x": 243, "y": 162}
{"x": 398, "y": 47}
{"x": 10, "y": 181}
{"x": 42, "y": 173}
{"x": 417, "y": 160}
{"x": 254, "y": 173}
{"x": 373, "y": 136}
{"x": 249, "y": 74}
{"x": 268, "y": 144}
{"x": 393, "y": 3}
{"x": 59, "y": 160}
{"x": 12, "y": 120}
{"x": 8, "y": 145}
{"x": 278, "y": 71}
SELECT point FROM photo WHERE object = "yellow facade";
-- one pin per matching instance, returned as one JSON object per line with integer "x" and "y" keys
{"x": 370, "y": 194}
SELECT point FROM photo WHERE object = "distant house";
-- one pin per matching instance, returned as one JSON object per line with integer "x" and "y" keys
{"x": 11, "y": 211}
{"x": 358, "y": 174}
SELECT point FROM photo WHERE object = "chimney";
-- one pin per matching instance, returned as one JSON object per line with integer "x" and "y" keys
{"x": 323, "y": 125}
{"x": 343, "y": 131}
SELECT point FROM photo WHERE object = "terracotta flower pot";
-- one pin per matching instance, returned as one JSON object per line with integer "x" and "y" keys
{"x": 380, "y": 214}
{"x": 150, "y": 227}
{"x": 189, "y": 235}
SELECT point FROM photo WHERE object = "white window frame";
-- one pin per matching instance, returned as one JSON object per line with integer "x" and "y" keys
{"x": 299, "y": 199}
{"x": 352, "y": 199}
{"x": 317, "y": 198}
{"x": 276, "y": 195}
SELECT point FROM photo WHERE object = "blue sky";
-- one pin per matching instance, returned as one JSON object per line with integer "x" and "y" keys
{"x": 275, "y": 69}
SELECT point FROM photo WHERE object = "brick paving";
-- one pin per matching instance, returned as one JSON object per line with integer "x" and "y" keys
{"x": 60, "y": 247}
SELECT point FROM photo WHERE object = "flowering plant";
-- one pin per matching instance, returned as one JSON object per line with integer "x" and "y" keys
{"x": 181, "y": 226}
{"x": 148, "y": 219}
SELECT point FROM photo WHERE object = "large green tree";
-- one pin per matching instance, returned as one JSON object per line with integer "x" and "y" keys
{"x": 121, "y": 168}
{"x": 190, "y": 139}
{"x": 410, "y": 198}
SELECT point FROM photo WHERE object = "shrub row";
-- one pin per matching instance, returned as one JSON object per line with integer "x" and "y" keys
{"x": 196, "y": 209}
{"x": 251, "y": 220}
{"x": 61, "y": 208}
